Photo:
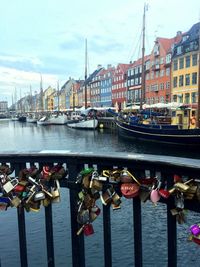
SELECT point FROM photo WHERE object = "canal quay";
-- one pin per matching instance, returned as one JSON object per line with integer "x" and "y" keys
{"x": 121, "y": 227}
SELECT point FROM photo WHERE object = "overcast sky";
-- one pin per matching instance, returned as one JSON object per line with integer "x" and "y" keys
{"x": 47, "y": 37}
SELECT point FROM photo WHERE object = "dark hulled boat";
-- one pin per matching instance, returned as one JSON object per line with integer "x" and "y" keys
{"x": 170, "y": 134}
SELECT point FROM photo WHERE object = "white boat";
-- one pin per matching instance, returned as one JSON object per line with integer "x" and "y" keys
{"x": 31, "y": 118}
{"x": 90, "y": 124}
{"x": 58, "y": 119}
{"x": 15, "y": 118}
{"x": 44, "y": 121}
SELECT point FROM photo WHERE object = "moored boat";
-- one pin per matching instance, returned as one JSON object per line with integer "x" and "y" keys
{"x": 170, "y": 134}
{"x": 90, "y": 124}
{"x": 58, "y": 118}
{"x": 43, "y": 121}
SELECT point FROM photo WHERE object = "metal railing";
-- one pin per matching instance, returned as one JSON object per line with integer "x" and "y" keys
{"x": 75, "y": 162}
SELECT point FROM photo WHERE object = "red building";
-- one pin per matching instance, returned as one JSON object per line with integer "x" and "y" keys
{"x": 119, "y": 86}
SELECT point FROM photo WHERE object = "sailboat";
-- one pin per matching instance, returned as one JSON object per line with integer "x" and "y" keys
{"x": 31, "y": 117}
{"x": 162, "y": 133}
{"x": 87, "y": 123}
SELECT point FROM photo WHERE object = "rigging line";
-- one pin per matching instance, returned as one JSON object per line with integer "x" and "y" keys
{"x": 138, "y": 46}
{"x": 132, "y": 51}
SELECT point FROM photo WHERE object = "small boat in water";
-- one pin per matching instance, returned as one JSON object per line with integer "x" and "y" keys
{"x": 32, "y": 118}
{"x": 90, "y": 124}
{"x": 43, "y": 121}
{"x": 58, "y": 118}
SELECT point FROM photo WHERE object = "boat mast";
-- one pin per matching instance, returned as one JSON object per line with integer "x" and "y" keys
{"x": 41, "y": 93}
{"x": 142, "y": 98}
{"x": 198, "y": 88}
{"x": 85, "y": 73}
{"x": 58, "y": 94}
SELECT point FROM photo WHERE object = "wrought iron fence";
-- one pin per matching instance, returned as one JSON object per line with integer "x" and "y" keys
{"x": 139, "y": 164}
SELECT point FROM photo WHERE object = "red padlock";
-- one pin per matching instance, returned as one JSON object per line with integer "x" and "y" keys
{"x": 164, "y": 193}
{"x": 88, "y": 229}
{"x": 130, "y": 190}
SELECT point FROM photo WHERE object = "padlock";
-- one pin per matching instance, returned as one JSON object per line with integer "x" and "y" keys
{"x": 40, "y": 195}
{"x": 94, "y": 213}
{"x": 179, "y": 201}
{"x": 116, "y": 200}
{"x": 144, "y": 193}
{"x": 95, "y": 183}
{"x": 16, "y": 201}
{"x": 31, "y": 193}
{"x": 55, "y": 191}
{"x": 88, "y": 201}
{"x": 130, "y": 190}
{"x": 10, "y": 185}
{"x": 106, "y": 197}
{"x": 125, "y": 177}
{"x": 154, "y": 196}
{"x": 83, "y": 216}
{"x": 88, "y": 229}
{"x": 195, "y": 229}
{"x": 46, "y": 202}
{"x": 34, "y": 206}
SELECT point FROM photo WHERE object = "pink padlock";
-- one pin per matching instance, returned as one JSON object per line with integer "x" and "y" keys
{"x": 154, "y": 196}
{"x": 195, "y": 229}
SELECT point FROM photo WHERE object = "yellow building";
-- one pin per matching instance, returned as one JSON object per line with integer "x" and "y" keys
{"x": 48, "y": 98}
{"x": 185, "y": 73}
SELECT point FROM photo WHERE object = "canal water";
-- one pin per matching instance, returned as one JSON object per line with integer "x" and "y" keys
{"x": 16, "y": 136}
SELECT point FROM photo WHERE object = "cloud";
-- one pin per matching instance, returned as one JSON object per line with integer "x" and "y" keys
{"x": 11, "y": 78}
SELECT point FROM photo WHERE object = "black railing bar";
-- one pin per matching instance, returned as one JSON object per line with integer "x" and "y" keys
{"x": 49, "y": 236}
{"x": 171, "y": 227}
{"x": 21, "y": 225}
{"x": 153, "y": 160}
{"x": 22, "y": 236}
{"x": 137, "y": 224}
{"x": 78, "y": 246}
{"x": 107, "y": 236}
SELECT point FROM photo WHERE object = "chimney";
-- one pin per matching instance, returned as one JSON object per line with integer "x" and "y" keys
{"x": 178, "y": 33}
{"x": 99, "y": 66}
{"x": 109, "y": 66}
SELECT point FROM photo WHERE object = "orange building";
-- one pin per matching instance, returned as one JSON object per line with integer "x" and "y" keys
{"x": 158, "y": 75}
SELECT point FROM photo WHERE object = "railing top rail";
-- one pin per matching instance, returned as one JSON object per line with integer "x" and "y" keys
{"x": 118, "y": 157}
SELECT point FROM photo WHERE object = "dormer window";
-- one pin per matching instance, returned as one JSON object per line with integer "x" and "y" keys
{"x": 179, "y": 50}
{"x": 156, "y": 50}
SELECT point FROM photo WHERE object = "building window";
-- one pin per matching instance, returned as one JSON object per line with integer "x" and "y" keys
{"x": 167, "y": 71}
{"x": 157, "y": 74}
{"x": 181, "y": 63}
{"x": 175, "y": 66}
{"x": 161, "y": 86}
{"x": 194, "y": 95}
{"x": 175, "y": 82}
{"x": 187, "y": 62}
{"x": 181, "y": 80}
{"x": 162, "y": 73}
{"x": 187, "y": 98}
{"x": 187, "y": 79}
{"x": 167, "y": 85}
{"x": 194, "y": 78}
{"x": 168, "y": 58}
{"x": 194, "y": 60}
{"x": 179, "y": 50}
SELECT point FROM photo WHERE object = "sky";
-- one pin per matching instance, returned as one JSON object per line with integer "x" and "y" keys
{"x": 46, "y": 38}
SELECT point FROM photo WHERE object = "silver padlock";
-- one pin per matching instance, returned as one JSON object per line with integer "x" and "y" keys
{"x": 10, "y": 185}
